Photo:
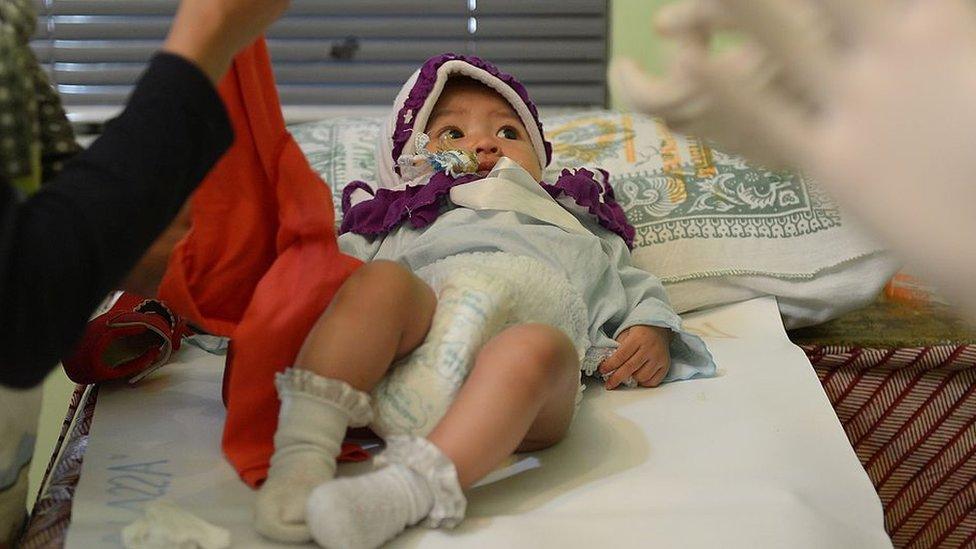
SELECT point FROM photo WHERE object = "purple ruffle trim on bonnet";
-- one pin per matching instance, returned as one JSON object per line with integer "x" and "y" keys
{"x": 418, "y": 204}
{"x": 596, "y": 197}
{"x": 422, "y": 204}
{"x": 425, "y": 83}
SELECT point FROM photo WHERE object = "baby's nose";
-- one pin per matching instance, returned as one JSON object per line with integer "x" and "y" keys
{"x": 486, "y": 146}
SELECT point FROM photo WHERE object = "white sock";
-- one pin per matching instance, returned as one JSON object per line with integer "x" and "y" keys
{"x": 315, "y": 412}
{"x": 368, "y": 510}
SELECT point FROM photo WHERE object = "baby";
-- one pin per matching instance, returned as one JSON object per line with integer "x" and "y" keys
{"x": 466, "y": 222}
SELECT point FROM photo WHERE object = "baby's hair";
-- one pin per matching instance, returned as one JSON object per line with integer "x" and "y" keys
{"x": 466, "y": 82}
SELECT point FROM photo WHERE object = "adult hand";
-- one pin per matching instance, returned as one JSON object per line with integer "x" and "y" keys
{"x": 872, "y": 97}
{"x": 690, "y": 99}
{"x": 643, "y": 354}
{"x": 210, "y": 32}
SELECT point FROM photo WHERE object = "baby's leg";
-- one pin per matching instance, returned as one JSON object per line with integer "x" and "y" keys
{"x": 520, "y": 394}
{"x": 381, "y": 313}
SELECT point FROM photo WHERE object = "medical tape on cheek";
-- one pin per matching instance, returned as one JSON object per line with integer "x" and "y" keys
{"x": 452, "y": 161}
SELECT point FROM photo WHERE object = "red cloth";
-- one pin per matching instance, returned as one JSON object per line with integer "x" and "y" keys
{"x": 260, "y": 262}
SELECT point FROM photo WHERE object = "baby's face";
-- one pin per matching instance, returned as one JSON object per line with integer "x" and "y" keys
{"x": 473, "y": 117}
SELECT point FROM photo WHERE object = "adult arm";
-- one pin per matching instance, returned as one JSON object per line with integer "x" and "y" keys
{"x": 71, "y": 242}
{"x": 647, "y": 304}
{"x": 65, "y": 247}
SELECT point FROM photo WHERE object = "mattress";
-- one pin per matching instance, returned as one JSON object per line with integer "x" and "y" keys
{"x": 754, "y": 457}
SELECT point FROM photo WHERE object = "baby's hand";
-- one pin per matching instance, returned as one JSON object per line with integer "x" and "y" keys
{"x": 643, "y": 354}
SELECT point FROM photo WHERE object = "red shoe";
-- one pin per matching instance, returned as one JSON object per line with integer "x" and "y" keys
{"x": 134, "y": 338}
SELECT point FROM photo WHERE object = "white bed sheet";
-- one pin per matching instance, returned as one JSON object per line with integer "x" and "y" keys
{"x": 754, "y": 457}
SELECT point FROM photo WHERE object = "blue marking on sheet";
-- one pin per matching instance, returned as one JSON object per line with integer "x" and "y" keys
{"x": 132, "y": 485}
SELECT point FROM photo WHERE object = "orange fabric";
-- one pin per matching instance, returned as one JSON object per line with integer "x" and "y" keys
{"x": 912, "y": 290}
{"x": 260, "y": 262}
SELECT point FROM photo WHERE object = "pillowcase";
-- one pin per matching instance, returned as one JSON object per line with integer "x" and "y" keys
{"x": 340, "y": 150}
{"x": 713, "y": 228}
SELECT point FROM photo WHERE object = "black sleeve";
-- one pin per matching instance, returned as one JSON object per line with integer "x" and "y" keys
{"x": 67, "y": 246}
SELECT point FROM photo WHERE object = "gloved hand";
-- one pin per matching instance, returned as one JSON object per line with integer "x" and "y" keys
{"x": 702, "y": 96}
{"x": 871, "y": 97}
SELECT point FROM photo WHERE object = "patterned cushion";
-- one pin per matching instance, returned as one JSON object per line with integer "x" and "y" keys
{"x": 712, "y": 227}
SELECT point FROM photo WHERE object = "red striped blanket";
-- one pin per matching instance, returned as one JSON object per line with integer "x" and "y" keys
{"x": 902, "y": 379}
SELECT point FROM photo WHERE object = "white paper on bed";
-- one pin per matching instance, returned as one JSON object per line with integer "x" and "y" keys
{"x": 752, "y": 458}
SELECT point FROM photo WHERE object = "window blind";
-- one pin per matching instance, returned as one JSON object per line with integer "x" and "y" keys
{"x": 340, "y": 53}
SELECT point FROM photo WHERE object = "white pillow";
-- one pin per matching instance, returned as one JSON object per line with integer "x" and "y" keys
{"x": 713, "y": 228}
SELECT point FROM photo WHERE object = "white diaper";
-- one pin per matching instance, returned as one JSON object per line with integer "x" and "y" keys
{"x": 478, "y": 295}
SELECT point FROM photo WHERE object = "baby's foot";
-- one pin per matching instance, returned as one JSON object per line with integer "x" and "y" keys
{"x": 362, "y": 512}
{"x": 312, "y": 421}
{"x": 368, "y": 510}
{"x": 280, "y": 506}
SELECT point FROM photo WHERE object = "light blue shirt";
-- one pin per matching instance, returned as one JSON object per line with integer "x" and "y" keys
{"x": 617, "y": 294}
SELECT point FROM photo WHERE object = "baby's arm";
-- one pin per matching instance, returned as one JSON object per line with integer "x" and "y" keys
{"x": 643, "y": 355}
{"x": 653, "y": 347}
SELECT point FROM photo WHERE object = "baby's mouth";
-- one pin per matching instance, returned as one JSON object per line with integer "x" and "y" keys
{"x": 486, "y": 165}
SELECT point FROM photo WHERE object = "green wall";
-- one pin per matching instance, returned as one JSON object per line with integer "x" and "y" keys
{"x": 632, "y": 35}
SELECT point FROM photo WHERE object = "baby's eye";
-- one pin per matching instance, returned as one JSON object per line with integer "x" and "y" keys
{"x": 451, "y": 133}
{"x": 508, "y": 132}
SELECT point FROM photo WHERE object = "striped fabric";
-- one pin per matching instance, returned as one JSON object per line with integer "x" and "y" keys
{"x": 49, "y": 519}
{"x": 910, "y": 414}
